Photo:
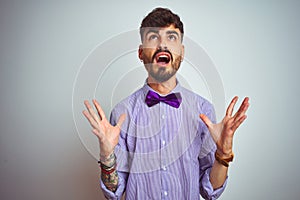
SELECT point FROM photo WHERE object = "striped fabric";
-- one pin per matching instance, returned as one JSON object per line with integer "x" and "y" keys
{"x": 164, "y": 152}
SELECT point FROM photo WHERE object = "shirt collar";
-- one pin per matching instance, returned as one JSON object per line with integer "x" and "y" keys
{"x": 146, "y": 88}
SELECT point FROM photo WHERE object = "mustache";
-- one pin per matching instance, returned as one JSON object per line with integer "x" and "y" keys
{"x": 165, "y": 51}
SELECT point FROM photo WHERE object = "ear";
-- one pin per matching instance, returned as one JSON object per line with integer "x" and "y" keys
{"x": 182, "y": 53}
{"x": 140, "y": 52}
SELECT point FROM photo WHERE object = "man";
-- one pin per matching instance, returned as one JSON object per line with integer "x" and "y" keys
{"x": 165, "y": 120}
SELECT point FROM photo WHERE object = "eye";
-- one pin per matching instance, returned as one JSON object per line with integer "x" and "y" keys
{"x": 172, "y": 37}
{"x": 153, "y": 37}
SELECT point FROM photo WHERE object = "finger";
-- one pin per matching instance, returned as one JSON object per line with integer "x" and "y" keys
{"x": 91, "y": 111}
{"x": 121, "y": 120}
{"x": 240, "y": 114}
{"x": 238, "y": 123}
{"x": 95, "y": 131}
{"x": 98, "y": 134}
{"x": 92, "y": 121}
{"x": 243, "y": 109}
{"x": 99, "y": 110}
{"x": 231, "y": 106}
{"x": 244, "y": 104}
{"x": 206, "y": 120}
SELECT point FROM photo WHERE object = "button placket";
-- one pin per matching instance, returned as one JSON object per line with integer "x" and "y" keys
{"x": 163, "y": 137}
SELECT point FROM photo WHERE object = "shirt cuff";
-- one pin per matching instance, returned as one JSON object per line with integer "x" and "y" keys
{"x": 118, "y": 193}
{"x": 207, "y": 189}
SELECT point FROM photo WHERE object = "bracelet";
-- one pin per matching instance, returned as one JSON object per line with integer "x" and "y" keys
{"x": 112, "y": 166}
{"x": 105, "y": 159}
{"x": 224, "y": 161}
{"x": 106, "y": 166}
{"x": 108, "y": 171}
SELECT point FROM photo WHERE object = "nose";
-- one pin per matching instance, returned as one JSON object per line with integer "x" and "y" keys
{"x": 162, "y": 45}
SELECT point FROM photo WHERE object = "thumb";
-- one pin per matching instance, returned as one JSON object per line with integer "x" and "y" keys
{"x": 121, "y": 120}
{"x": 206, "y": 120}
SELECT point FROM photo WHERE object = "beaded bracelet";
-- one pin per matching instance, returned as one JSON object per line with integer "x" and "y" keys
{"x": 108, "y": 169}
{"x": 105, "y": 166}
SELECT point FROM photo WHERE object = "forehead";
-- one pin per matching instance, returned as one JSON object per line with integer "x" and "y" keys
{"x": 161, "y": 30}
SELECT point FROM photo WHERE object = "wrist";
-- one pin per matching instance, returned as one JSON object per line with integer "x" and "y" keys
{"x": 224, "y": 154}
{"x": 224, "y": 159}
{"x": 108, "y": 161}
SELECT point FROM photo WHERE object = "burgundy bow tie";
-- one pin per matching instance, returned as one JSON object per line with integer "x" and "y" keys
{"x": 173, "y": 99}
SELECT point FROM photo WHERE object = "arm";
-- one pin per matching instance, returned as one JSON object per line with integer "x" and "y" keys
{"x": 218, "y": 175}
{"x": 108, "y": 137}
{"x": 109, "y": 174}
{"x": 222, "y": 133}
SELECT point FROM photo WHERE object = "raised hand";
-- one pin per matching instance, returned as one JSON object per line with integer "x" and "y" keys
{"x": 223, "y": 132}
{"x": 107, "y": 134}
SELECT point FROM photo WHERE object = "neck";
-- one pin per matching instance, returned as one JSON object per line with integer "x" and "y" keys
{"x": 162, "y": 87}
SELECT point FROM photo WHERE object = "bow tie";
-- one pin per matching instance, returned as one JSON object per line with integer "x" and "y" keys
{"x": 173, "y": 99}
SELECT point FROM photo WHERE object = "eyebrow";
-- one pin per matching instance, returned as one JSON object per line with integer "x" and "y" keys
{"x": 152, "y": 31}
{"x": 157, "y": 31}
{"x": 172, "y": 32}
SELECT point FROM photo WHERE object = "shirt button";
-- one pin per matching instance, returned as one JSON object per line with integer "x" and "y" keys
{"x": 163, "y": 116}
{"x": 164, "y": 168}
{"x": 165, "y": 193}
{"x": 163, "y": 142}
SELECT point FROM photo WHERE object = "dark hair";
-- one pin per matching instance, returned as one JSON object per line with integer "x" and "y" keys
{"x": 161, "y": 17}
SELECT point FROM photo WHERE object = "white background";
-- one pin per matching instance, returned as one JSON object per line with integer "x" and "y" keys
{"x": 255, "y": 46}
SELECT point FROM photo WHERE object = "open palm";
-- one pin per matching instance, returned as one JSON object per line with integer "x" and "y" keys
{"x": 223, "y": 132}
{"x": 107, "y": 134}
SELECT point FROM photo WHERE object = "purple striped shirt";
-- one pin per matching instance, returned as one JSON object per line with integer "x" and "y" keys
{"x": 164, "y": 152}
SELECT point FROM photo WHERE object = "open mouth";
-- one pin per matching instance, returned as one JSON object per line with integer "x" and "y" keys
{"x": 163, "y": 58}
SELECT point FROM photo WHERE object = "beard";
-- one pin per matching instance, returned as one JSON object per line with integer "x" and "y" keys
{"x": 162, "y": 74}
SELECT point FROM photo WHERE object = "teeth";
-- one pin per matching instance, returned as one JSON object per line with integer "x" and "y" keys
{"x": 163, "y": 56}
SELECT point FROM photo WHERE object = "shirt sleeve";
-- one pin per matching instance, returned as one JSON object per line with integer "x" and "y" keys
{"x": 206, "y": 189}
{"x": 120, "y": 190}
{"x": 207, "y": 158}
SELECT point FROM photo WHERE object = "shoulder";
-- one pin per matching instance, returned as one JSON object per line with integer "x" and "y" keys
{"x": 129, "y": 103}
{"x": 193, "y": 99}
{"x": 194, "y": 103}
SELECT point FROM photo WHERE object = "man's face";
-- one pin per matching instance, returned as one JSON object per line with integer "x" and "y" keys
{"x": 162, "y": 52}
